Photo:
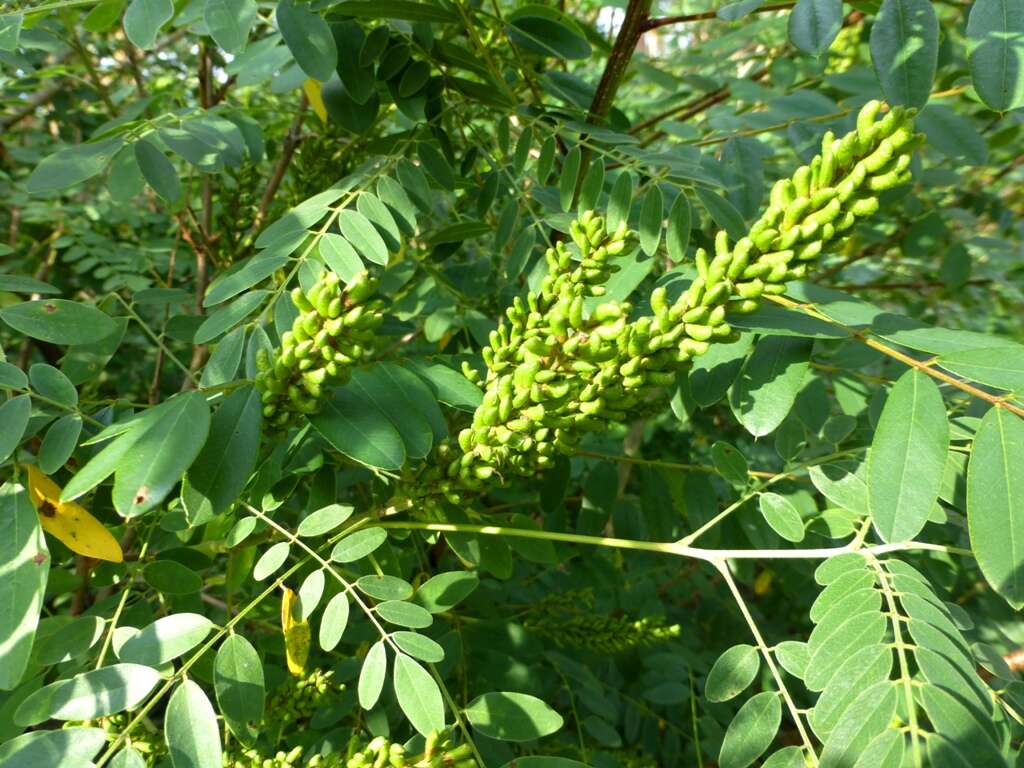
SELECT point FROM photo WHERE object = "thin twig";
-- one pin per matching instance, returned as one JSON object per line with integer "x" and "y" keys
{"x": 665, "y": 21}
{"x": 923, "y": 366}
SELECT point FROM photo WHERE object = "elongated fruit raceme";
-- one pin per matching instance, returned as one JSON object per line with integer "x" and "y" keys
{"x": 333, "y": 332}
{"x": 556, "y": 371}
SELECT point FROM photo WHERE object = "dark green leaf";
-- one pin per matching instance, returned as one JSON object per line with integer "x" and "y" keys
{"x": 165, "y": 639}
{"x": 907, "y": 457}
{"x": 158, "y": 171}
{"x": 190, "y": 728}
{"x": 904, "y": 50}
{"x": 88, "y": 695}
{"x": 418, "y": 695}
{"x": 995, "y": 31}
{"x": 752, "y": 731}
{"x": 767, "y": 387}
{"x": 309, "y": 39}
{"x": 58, "y": 321}
{"x": 570, "y": 175}
{"x": 444, "y": 591}
{"x": 814, "y": 24}
{"x": 405, "y": 614}
{"x": 222, "y": 468}
{"x": 677, "y": 236}
{"x": 358, "y": 230}
{"x": 372, "y": 674}
{"x": 358, "y": 545}
{"x": 995, "y": 488}
{"x": 14, "y": 415}
{"x": 334, "y": 621}
{"x": 732, "y": 672}
{"x": 160, "y": 455}
{"x": 324, "y": 520}
{"x": 651, "y": 212}
{"x": 26, "y": 567}
{"x": 73, "y": 165}
{"x": 512, "y": 716}
{"x": 230, "y": 22}
{"x": 238, "y": 680}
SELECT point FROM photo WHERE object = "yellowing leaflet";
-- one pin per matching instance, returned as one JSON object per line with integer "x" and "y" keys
{"x": 296, "y": 633}
{"x": 313, "y": 90}
{"x": 69, "y": 522}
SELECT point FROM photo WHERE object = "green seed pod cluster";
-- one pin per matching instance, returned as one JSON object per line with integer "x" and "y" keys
{"x": 438, "y": 752}
{"x": 239, "y": 756}
{"x": 333, "y": 332}
{"x": 544, "y": 385}
{"x": 556, "y": 371}
{"x": 300, "y": 697}
{"x": 562, "y": 619}
{"x": 815, "y": 208}
{"x": 148, "y": 742}
{"x": 845, "y": 49}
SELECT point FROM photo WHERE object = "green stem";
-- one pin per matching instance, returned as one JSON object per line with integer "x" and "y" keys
{"x": 901, "y": 654}
{"x": 671, "y": 547}
{"x": 794, "y": 713}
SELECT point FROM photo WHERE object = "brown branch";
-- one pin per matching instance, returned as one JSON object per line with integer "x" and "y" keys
{"x": 911, "y": 286}
{"x": 94, "y": 76}
{"x": 923, "y": 366}
{"x": 691, "y": 108}
{"x": 665, "y": 21}
{"x": 632, "y": 29}
{"x": 637, "y": 15}
{"x": 205, "y": 227}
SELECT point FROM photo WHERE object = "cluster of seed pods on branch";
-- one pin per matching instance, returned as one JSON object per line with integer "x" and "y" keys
{"x": 555, "y": 372}
{"x": 334, "y": 332}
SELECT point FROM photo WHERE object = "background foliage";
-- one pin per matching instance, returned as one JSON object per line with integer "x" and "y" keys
{"x": 802, "y": 549}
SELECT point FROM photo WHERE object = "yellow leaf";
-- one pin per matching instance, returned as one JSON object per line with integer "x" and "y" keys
{"x": 312, "y": 89}
{"x": 69, "y": 522}
{"x": 296, "y": 634}
{"x": 763, "y": 582}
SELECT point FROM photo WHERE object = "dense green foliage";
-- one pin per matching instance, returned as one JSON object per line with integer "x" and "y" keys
{"x": 457, "y": 384}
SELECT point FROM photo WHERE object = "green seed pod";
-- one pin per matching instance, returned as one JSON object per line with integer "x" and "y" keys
{"x": 759, "y": 269}
{"x": 698, "y": 332}
{"x": 866, "y": 117}
{"x": 810, "y": 250}
{"x": 300, "y": 301}
{"x": 877, "y": 159}
{"x": 693, "y": 347}
{"x": 865, "y": 206}
{"x": 699, "y": 313}
{"x": 795, "y": 211}
{"x": 802, "y": 181}
{"x": 742, "y": 306}
{"x": 750, "y": 290}
{"x": 782, "y": 194}
{"x": 881, "y": 183}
